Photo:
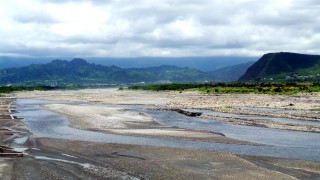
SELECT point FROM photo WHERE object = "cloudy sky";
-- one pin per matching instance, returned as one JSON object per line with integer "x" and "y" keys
{"x": 134, "y": 28}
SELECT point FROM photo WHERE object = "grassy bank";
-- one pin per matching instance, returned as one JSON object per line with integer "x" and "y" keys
{"x": 9, "y": 89}
{"x": 236, "y": 88}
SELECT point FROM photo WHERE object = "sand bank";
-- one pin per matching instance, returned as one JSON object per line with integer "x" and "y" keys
{"x": 121, "y": 121}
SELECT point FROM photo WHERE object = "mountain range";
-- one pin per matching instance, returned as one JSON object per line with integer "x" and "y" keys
{"x": 204, "y": 64}
{"x": 80, "y": 72}
{"x": 270, "y": 67}
{"x": 284, "y": 66}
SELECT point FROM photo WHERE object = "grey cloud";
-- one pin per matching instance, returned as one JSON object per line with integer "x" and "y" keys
{"x": 283, "y": 19}
{"x": 210, "y": 14}
{"x": 299, "y": 13}
{"x": 199, "y": 43}
{"x": 144, "y": 27}
{"x": 61, "y": 1}
{"x": 307, "y": 3}
{"x": 88, "y": 40}
{"x": 40, "y": 18}
{"x": 53, "y": 51}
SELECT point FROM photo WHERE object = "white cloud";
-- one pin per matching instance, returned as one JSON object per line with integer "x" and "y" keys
{"x": 158, "y": 27}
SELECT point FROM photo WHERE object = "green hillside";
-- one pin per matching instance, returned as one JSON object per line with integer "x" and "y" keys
{"x": 284, "y": 67}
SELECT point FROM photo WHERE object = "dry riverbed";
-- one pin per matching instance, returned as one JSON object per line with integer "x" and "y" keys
{"x": 49, "y": 158}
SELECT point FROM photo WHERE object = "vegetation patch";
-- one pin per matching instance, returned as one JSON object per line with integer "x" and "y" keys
{"x": 9, "y": 89}
{"x": 236, "y": 88}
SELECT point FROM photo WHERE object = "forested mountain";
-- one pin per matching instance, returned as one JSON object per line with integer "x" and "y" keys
{"x": 284, "y": 66}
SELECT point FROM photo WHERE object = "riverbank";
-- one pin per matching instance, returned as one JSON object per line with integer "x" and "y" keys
{"x": 11, "y": 128}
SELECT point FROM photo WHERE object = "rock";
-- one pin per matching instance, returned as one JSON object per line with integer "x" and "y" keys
{"x": 187, "y": 113}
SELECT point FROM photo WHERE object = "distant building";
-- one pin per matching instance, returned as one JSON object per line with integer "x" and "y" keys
{"x": 53, "y": 83}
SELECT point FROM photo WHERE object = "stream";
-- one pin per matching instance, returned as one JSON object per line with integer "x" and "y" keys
{"x": 285, "y": 144}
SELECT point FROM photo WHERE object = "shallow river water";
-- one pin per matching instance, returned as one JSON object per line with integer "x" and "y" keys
{"x": 258, "y": 118}
{"x": 287, "y": 144}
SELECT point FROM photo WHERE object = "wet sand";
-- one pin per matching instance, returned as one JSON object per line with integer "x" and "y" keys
{"x": 125, "y": 122}
{"x": 61, "y": 159}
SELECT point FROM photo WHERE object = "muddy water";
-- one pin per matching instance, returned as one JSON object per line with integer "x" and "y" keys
{"x": 288, "y": 144}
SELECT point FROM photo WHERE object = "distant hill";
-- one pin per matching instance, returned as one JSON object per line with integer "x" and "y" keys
{"x": 205, "y": 64}
{"x": 230, "y": 73}
{"x": 284, "y": 66}
{"x": 79, "y": 71}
